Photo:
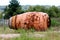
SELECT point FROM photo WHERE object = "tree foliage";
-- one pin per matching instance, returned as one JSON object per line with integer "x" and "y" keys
{"x": 12, "y": 9}
{"x": 53, "y": 11}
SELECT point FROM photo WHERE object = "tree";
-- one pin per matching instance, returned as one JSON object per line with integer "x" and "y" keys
{"x": 12, "y": 9}
{"x": 30, "y": 9}
{"x": 53, "y": 11}
{"x": 34, "y": 8}
{"x": 37, "y": 8}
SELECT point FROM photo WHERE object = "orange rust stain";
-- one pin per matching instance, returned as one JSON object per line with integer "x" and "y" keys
{"x": 36, "y": 20}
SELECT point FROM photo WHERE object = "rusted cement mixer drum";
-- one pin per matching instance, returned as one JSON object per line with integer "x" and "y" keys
{"x": 28, "y": 20}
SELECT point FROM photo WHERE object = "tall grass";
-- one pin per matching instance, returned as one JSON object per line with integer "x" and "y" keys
{"x": 55, "y": 22}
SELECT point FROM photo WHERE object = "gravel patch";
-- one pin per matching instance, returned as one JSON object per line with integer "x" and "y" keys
{"x": 36, "y": 35}
{"x": 39, "y": 35}
{"x": 9, "y": 35}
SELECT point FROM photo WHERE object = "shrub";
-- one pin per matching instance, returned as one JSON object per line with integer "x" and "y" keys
{"x": 54, "y": 22}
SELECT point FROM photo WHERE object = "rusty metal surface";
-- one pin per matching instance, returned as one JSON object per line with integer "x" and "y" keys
{"x": 36, "y": 20}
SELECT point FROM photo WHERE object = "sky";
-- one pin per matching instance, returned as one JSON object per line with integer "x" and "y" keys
{"x": 33, "y": 2}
